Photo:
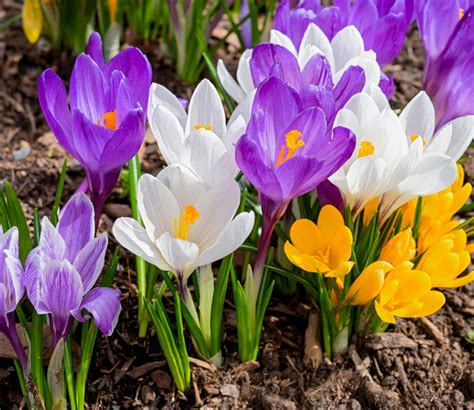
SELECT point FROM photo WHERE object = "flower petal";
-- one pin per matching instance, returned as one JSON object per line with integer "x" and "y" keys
{"x": 90, "y": 261}
{"x": 76, "y": 224}
{"x": 232, "y": 237}
{"x": 132, "y": 236}
{"x": 104, "y": 306}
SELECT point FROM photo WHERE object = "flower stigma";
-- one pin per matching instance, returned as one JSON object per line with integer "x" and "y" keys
{"x": 188, "y": 217}
{"x": 109, "y": 120}
{"x": 293, "y": 143}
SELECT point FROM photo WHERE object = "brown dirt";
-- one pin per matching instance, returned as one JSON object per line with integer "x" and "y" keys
{"x": 418, "y": 364}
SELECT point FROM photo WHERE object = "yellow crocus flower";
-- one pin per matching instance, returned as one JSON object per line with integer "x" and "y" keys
{"x": 401, "y": 248}
{"x": 407, "y": 293}
{"x": 368, "y": 284}
{"x": 447, "y": 259}
{"x": 32, "y": 20}
{"x": 325, "y": 247}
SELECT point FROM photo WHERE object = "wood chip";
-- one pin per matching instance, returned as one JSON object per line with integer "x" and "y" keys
{"x": 203, "y": 364}
{"x": 390, "y": 340}
{"x": 434, "y": 331}
{"x": 142, "y": 370}
{"x": 248, "y": 367}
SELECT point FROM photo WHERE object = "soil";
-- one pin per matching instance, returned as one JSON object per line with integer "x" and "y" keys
{"x": 418, "y": 364}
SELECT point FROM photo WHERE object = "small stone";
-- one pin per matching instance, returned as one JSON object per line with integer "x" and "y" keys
{"x": 147, "y": 394}
{"x": 230, "y": 390}
{"x": 161, "y": 379}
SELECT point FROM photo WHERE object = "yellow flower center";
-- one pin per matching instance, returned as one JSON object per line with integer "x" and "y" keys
{"x": 207, "y": 127}
{"x": 188, "y": 217}
{"x": 293, "y": 143}
{"x": 461, "y": 13}
{"x": 109, "y": 120}
{"x": 414, "y": 137}
{"x": 366, "y": 149}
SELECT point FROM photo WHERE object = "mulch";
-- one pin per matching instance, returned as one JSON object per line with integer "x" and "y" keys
{"x": 421, "y": 363}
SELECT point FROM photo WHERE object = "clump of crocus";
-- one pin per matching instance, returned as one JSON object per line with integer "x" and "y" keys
{"x": 62, "y": 270}
{"x": 446, "y": 28}
{"x": 11, "y": 290}
{"x": 103, "y": 124}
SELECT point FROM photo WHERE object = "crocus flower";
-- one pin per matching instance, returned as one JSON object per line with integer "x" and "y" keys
{"x": 344, "y": 51}
{"x": 286, "y": 152}
{"x": 61, "y": 272}
{"x": 186, "y": 225}
{"x": 399, "y": 249}
{"x": 200, "y": 140}
{"x": 325, "y": 248}
{"x": 388, "y": 164}
{"x": 451, "y": 139}
{"x": 407, "y": 293}
{"x": 446, "y": 27}
{"x": 103, "y": 124}
{"x": 447, "y": 259}
{"x": 11, "y": 289}
{"x": 368, "y": 284}
{"x": 382, "y": 23}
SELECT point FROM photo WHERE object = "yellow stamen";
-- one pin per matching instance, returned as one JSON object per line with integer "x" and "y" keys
{"x": 414, "y": 137}
{"x": 110, "y": 120}
{"x": 293, "y": 143}
{"x": 366, "y": 149}
{"x": 188, "y": 217}
{"x": 461, "y": 13}
{"x": 207, "y": 127}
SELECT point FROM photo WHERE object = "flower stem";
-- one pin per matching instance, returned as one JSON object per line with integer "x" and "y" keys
{"x": 69, "y": 371}
{"x": 141, "y": 266}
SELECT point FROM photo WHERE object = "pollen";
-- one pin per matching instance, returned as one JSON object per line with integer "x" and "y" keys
{"x": 189, "y": 216}
{"x": 207, "y": 127}
{"x": 461, "y": 13}
{"x": 109, "y": 120}
{"x": 293, "y": 143}
{"x": 366, "y": 149}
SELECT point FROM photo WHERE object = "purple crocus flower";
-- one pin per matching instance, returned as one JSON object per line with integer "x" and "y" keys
{"x": 287, "y": 151}
{"x": 382, "y": 23}
{"x": 447, "y": 27}
{"x": 104, "y": 123}
{"x": 62, "y": 271}
{"x": 11, "y": 290}
{"x": 313, "y": 83}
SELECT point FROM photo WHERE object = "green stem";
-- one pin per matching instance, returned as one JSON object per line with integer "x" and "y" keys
{"x": 134, "y": 175}
{"x": 81, "y": 378}
{"x": 69, "y": 372}
{"x": 37, "y": 369}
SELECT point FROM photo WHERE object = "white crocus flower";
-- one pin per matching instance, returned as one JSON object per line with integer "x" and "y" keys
{"x": 418, "y": 121}
{"x": 346, "y": 49}
{"x": 185, "y": 225}
{"x": 386, "y": 164}
{"x": 200, "y": 140}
